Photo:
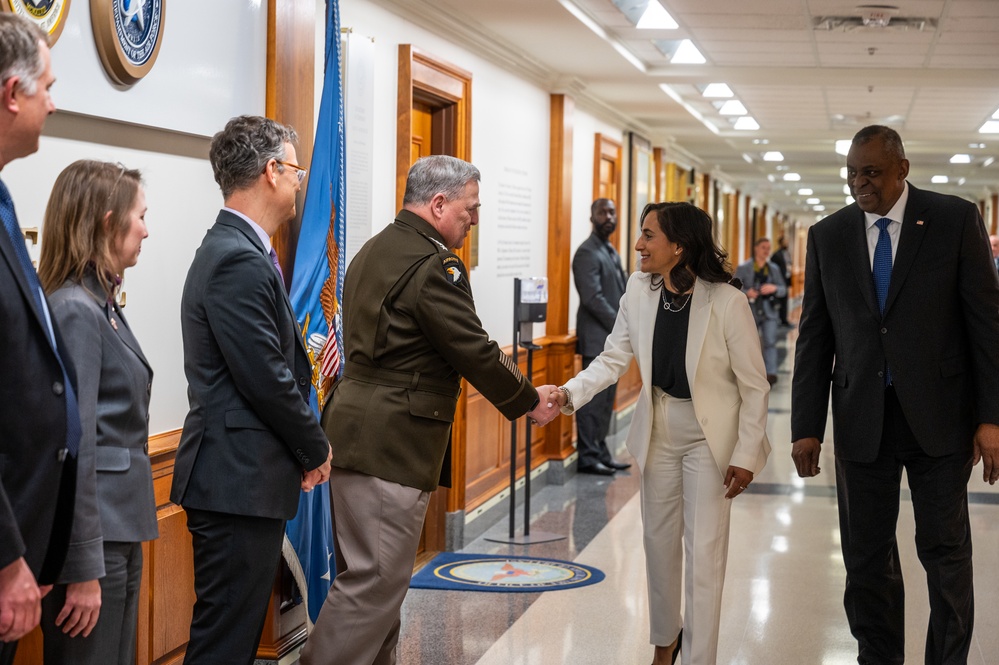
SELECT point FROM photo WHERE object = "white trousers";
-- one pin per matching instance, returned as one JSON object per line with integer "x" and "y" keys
{"x": 685, "y": 519}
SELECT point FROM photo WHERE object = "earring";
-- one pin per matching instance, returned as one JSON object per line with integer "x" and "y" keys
{"x": 676, "y": 253}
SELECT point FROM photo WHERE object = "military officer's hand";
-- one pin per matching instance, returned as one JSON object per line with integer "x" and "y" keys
{"x": 547, "y": 409}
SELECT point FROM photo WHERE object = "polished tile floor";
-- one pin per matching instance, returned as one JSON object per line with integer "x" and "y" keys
{"x": 782, "y": 602}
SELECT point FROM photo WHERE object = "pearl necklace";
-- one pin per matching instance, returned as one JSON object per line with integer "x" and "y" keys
{"x": 670, "y": 305}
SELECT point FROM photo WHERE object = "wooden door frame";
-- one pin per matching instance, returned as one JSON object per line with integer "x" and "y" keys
{"x": 605, "y": 147}
{"x": 448, "y": 89}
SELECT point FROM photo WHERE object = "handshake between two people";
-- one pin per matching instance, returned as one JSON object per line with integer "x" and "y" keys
{"x": 550, "y": 399}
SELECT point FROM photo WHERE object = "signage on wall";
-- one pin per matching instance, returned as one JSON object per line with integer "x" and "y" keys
{"x": 49, "y": 15}
{"x": 128, "y": 35}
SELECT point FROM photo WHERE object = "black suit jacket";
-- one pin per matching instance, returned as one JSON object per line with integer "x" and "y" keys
{"x": 939, "y": 334}
{"x": 32, "y": 430}
{"x": 600, "y": 282}
{"x": 250, "y": 431}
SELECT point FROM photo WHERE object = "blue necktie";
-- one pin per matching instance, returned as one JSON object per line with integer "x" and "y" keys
{"x": 73, "y": 428}
{"x": 882, "y": 273}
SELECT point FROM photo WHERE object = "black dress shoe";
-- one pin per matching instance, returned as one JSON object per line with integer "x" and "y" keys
{"x": 617, "y": 466}
{"x": 597, "y": 469}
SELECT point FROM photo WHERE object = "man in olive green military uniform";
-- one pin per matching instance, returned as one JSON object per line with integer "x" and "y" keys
{"x": 410, "y": 335}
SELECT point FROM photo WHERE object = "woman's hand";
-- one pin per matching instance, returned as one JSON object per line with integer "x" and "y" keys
{"x": 83, "y": 607}
{"x": 557, "y": 396}
{"x": 737, "y": 480}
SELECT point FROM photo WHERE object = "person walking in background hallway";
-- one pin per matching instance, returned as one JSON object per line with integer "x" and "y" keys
{"x": 410, "y": 334}
{"x": 763, "y": 283}
{"x": 699, "y": 429}
{"x": 39, "y": 416}
{"x": 782, "y": 259}
{"x": 94, "y": 228}
{"x": 600, "y": 282}
{"x": 994, "y": 245}
{"x": 251, "y": 441}
{"x": 900, "y": 317}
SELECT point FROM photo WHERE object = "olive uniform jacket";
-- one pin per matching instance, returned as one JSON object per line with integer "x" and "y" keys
{"x": 410, "y": 334}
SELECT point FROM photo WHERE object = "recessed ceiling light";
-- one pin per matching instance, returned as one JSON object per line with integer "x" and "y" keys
{"x": 782, "y": 167}
{"x": 960, "y": 159}
{"x": 717, "y": 90}
{"x": 771, "y": 177}
{"x": 761, "y": 141}
{"x": 990, "y": 127}
{"x": 977, "y": 146}
{"x": 961, "y": 181}
{"x": 656, "y": 17}
{"x": 792, "y": 177}
{"x": 745, "y": 156}
{"x": 819, "y": 218}
{"x": 687, "y": 54}
{"x": 842, "y": 173}
{"x": 747, "y": 122}
{"x": 843, "y": 147}
{"x": 820, "y": 209}
{"x": 773, "y": 156}
{"x": 988, "y": 161}
{"x": 939, "y": 180}
{"x": 804, "y": 191}
{"x": 732, "y": 107}
{"x": 814, "y": 201}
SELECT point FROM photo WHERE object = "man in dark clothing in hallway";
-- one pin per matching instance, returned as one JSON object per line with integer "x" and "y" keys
{"x": 600, "y": 281}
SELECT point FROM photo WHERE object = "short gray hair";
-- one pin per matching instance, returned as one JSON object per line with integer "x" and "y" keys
{"x": 889, "y": 137}
{"x": 19, "y": 52}
{"x": 438, "y": 174}
{"x": 240, "y": 152}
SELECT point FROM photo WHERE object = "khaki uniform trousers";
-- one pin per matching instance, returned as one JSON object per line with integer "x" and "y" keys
{"x": 377, "y": 525}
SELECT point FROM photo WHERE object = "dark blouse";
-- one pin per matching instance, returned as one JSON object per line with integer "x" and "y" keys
{"x": 669, "y": 345}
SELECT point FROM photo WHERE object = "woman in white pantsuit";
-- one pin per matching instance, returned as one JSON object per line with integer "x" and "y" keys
{"x": 699, "y": 429}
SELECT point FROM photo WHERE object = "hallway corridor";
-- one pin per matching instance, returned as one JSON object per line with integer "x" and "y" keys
{"x": 783, "y": 593}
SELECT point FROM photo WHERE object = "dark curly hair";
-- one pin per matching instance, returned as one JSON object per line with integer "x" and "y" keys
{"x": 691, "y": 228}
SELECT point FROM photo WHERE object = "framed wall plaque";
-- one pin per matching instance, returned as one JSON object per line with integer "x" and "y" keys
{"x": 49, "y": 15}
{"x": 128, "y": 34}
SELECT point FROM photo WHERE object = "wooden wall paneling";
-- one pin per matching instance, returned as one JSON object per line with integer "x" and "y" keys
{"x": 994, "y": 221}
{"x": 290, "y": 96}
{"x": 659, "y": 168}
{"x": 608, "y": 164}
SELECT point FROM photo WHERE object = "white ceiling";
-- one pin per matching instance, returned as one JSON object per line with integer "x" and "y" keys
{"x": 806, "y": 87}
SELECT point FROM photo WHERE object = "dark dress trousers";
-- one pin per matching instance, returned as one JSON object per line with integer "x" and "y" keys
{"x": 37, "y": 477}
{"x": 938, "y": 336}
{"x": 249, "y": 435}
{"x": 600, "y": 282}
{"x": 115, "y": 506}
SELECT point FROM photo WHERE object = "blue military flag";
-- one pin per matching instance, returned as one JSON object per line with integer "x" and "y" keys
{"x": 316, "y": 288}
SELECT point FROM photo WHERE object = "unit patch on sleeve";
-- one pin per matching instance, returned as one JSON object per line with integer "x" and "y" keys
{"x": 454, "y": 270}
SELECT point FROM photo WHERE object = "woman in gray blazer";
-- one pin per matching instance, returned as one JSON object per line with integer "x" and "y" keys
{"x": 93, "y": 230}
{"x": 698, "y": 433}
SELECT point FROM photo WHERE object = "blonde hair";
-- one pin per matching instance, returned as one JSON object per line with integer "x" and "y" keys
{"x": 75, "y": 236}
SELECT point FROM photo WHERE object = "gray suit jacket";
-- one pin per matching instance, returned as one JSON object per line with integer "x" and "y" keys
{"x": 114, "y": 491}
{"x": 250, "y": 431}
{"x": 600, "y": 281}
{"x": 938, "y": 333}
{"x": 765, "y": 307}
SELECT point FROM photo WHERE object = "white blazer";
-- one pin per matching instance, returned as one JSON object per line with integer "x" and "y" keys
{"x": 724, "y": 363}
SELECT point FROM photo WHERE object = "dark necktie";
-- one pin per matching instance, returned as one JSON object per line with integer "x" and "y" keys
{"x": 882, "y": 272}
{"x": 73, "y": 428}
{"x": 277, "y": 264}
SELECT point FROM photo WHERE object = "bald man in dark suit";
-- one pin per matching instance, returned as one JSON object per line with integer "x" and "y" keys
{"x": 900, "y": 317}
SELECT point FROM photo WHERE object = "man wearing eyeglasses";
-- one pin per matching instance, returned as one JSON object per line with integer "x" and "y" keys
{"x": 250, "y": 440}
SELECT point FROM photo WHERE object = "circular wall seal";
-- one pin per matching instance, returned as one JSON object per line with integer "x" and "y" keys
{"x": 49, "y": 15}
{"x": 128, "y": 35}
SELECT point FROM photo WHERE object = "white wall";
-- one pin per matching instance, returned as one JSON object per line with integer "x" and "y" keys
{"x": 203, "y": 76}
{"x": 510, "y": 130}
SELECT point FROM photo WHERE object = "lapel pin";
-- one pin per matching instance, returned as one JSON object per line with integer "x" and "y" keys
{"x": 114, "y": 324}
{"x": 919, "y": 222}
